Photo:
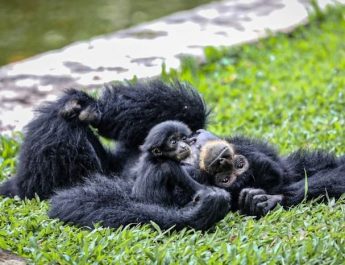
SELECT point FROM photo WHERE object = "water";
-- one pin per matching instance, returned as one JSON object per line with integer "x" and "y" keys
{"x": 29, "y": 27}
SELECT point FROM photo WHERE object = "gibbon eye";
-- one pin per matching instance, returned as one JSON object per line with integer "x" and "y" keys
{"x": 173, "y": 141}
{"x": 184, "y": 138}
{"x": 156, "y": 152}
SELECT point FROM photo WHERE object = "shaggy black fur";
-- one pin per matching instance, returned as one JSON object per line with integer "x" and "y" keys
{"x": 105, "y": 201}
{"x": 125, "y": 108}
{"x": 159, "y": 170}
{"x": 58, "y": 150}
{"x": 61, "y": 150}
{"x": 272, "y": 179}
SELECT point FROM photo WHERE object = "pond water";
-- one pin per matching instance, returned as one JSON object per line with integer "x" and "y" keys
{"x": 29, "y": 27}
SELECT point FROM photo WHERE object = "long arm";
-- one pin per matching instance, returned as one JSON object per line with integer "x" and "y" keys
{"x": 58, "y": 150}
{"x": 108, "y": 202}
{"x": 185, "y": 180}
{"x": 152, "y": 183}
{"x": 128, "y": 112}
{"x": 327, "y": 182}
{"x": 268, "y": 173}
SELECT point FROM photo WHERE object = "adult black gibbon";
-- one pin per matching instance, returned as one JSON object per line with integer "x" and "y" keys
{"x": 266, "y": 180}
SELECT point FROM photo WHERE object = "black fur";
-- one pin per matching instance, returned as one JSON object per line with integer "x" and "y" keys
{"x": 105, "y": 201}
{"x": 320, "y": 171}
{"x": 266, "y": 169}
{"x": 61, "y": 154}
{"x": 158, "y": 171}
{"x": 269, "y": 172}
{"x": 272, "y": 179}
{"x": 58, "y": 151}
{"x": 61, "y": 150}
{"x": 126, "y": 108}
{"x": 325, "y": 175}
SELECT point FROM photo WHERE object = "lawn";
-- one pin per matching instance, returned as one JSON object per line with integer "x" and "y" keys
{"x": 287, "y": 89}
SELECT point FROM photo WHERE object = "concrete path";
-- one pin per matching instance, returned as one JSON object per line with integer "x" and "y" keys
{"x": 8, "y": 258}
{"x": 141, "y": 51}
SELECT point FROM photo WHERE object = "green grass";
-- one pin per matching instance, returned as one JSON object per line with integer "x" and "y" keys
{"x": 288, "y": 89}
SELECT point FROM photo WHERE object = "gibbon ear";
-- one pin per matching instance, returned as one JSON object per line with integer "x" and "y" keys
{"x": 156, "y": 151}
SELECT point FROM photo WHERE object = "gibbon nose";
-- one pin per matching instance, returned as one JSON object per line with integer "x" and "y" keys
{"x": 184, "y": 147}
{"x": 224, "y": 163}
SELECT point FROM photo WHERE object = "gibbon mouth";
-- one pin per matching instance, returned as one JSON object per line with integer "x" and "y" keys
{"x": 225, "y": 180}
{"x": 184, "y": 154}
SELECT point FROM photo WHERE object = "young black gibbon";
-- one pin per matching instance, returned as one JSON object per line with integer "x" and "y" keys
{"x": 219, "y": 160}
{"x": 159, "y": 170}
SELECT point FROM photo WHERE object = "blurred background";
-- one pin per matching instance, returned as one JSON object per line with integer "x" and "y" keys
{"x": 29, "y": 27}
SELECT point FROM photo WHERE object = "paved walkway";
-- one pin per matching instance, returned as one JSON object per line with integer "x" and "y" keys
{"x": 8, "y": 258}
{"x": 141, "y": 50}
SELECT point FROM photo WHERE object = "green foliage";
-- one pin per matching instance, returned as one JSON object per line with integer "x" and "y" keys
{"x": 8, "y": 149}
{"x": 288, "y": 89}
